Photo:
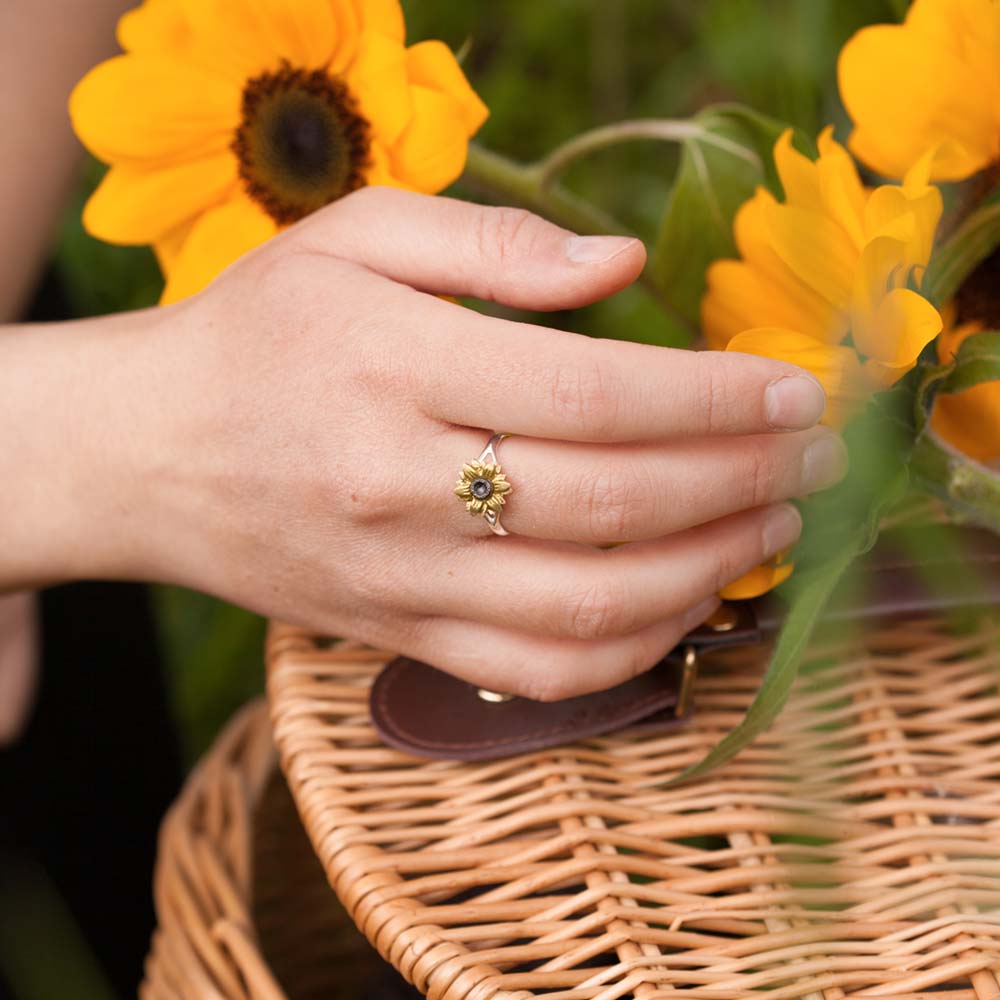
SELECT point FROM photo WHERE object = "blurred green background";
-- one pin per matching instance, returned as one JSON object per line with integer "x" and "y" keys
{"x": 547, "y": 71}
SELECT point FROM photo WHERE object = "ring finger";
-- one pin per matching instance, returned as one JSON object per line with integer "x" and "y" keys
{"x": 598, "y": 494}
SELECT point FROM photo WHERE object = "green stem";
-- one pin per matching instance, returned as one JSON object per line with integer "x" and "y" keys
{"x": 497, "y": 175}
{"x": 972, "y": 490}
{"x": 657, "y": 129}
{"x": 609, "y": 135}
{"x": 522, "y": 184}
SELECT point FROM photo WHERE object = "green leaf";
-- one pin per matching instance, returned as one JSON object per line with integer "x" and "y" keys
{"x": 961, "y": 254}
{"x": 841, "y": 524}
{"x": 971, "y": 489}
{"x": 726, "y": 158}
{"x": 813, "y": 592}
{"x": 977, "y": 361}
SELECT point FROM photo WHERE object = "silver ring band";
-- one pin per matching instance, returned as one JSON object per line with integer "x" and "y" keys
{"x": 483, "y": 487}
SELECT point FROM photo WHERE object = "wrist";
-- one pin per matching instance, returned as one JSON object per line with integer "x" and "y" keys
{"x": 72, "y": 438}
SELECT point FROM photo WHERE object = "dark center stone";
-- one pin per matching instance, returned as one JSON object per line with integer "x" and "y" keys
{"x": 481, "y": 489}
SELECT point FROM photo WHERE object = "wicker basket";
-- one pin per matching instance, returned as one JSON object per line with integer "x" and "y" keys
{"x": 243, "y": 907}
{"x": 853, "y": 851}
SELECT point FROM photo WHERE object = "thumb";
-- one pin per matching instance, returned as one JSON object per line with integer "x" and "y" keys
{"x": 451, "y": 247}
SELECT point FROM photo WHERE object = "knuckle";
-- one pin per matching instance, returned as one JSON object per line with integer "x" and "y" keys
{"x": 366, "y": 492}
{"x": 375, "y": 373}
{"x": 758, "y": 472}
{"x": 502, "y": 232}
{"x": 616, "y": 503}
{"x": 587, "y": 396}
{"x": 369, "y": 198}
{"x": 595, "y": 611}
{"x": 723, "y": 394}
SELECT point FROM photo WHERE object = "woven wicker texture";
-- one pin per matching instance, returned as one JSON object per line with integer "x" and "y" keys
{"x": 244, "y": 910}
{"x": 853, "y": 851}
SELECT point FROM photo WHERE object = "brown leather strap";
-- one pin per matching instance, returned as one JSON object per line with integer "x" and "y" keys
{"x": 426, "y": 712}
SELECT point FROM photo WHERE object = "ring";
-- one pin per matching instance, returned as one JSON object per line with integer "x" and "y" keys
{"x": 482, "y": 486}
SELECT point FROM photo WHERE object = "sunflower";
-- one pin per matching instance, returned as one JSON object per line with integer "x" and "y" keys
{"x": 225, "y": 121}
{"x": 827, "y": 280}
{"x": 482, "y": 488}
{"x": 929, "y": 85}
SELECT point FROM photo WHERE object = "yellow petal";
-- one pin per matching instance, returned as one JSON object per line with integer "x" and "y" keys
{"x": 841, "y": 191}
{"x": 906, "y": 92}
{"x": 837, "y": 368}
{"x": 156, "y": 27}
{"x": 799, "y": 176}
{"x": 143, "y": 108}
{"x": 168, "y": 249}
{"x": 812, "y": 313}
{"x": 378, "y": 79}
{"x": 903, "y": 325}
{"x": 383, "y": 16}
{"x": 970, "y": 421}
{"x": 431, "y": 153}
{"x": 141, "y": 204}
{"x": 883, "y": 265}
{"x": 892, "y": 324}
{"x": 433, "y": 65}
{"x": 379, "y": 169}
{"x": 243, "y": 38}
{"x": 758, "y": 581}
{"x": 911, "y": 217}
{"x": 221, "y": 236}
{"x": 815, "y": 249}
{"x": 740, "y": 297}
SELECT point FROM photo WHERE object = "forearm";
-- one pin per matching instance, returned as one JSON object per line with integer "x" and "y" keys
{"x": 45, "y": 47}
{"x": 71, "y": 451}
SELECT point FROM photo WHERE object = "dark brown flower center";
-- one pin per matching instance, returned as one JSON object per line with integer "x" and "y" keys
{"x": 301, "y": 143}
{"x": 979, "y": 298}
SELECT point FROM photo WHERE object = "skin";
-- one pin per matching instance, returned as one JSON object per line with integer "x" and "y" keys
{"x": 289, "y": 440}
{"x": 38, "y": 159}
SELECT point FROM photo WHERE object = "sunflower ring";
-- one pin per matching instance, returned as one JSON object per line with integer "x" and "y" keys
{"x": 483, "y": 487}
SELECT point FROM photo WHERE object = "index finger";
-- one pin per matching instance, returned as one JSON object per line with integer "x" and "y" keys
{"x": 531, "y": 380}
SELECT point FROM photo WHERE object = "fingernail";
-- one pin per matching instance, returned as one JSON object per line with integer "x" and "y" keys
{"x": 824, "y": 462}
{"x": 596, "y": 249}
{"x": 693, "y": 617}
{"x": 782, "y": 527}
{"x": 794, "y": 402}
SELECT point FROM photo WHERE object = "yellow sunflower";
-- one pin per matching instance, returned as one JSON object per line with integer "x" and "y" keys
{"x": 827, "y": 280}
{"x": 929, "y": 85}
{"x": 227, "y": 120}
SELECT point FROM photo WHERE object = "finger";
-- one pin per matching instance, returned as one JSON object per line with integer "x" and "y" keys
{"x": 546, "y": 383}
{"x": 557, "y": 589}
{"x": 597, "y": 494}
{"x": 545, "y": 669}
{"x": 451, "y": 247}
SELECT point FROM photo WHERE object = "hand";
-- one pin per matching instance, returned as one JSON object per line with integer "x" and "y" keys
{"x": 297, "y": 430}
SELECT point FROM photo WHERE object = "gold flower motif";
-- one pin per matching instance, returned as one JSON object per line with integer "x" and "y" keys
{"x": 481, "y": 488}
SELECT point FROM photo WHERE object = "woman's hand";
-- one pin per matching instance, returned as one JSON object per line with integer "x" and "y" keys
{"x": 290, "y": 440}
